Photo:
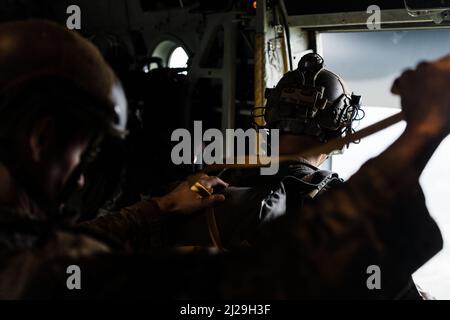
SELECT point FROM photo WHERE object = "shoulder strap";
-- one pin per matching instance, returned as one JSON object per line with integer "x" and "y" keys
{"x": 312, "y": 183}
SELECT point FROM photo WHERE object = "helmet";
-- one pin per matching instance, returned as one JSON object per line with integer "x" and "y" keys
{"x": 311, "y": 101}
{"x": 33, "y": 49}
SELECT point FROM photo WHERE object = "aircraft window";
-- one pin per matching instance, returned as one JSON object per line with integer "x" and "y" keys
{"x": 369, "y": 62}
{"x": 170, "y": 54}
{"x": 178, "y": 58}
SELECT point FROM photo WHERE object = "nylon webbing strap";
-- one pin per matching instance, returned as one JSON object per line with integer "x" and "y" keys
{"x": 325, "y": 148}
{"x": 213, "y": 229}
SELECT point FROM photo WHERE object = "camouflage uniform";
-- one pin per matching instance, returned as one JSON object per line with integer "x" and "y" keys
{"x": 253, "y": 200}
{"x": 373, "y": 219}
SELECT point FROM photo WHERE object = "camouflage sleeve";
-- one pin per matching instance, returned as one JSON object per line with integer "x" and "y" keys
{"x": 140, "y": 226}
{"x": 373, "y": 219}
{"x": 376, "y": 218}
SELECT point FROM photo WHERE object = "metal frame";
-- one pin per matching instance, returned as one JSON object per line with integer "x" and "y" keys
{"x": 390, "y": 19}
{"x": 227, "y": 74}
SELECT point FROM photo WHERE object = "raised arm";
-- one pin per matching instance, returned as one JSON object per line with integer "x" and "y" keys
{"x": 379, "y": 216}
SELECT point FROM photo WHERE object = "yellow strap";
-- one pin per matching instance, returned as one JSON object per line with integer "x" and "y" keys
{"x": 213, "y": 229}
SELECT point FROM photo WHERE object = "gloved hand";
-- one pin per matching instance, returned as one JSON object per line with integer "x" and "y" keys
{"x": 184, "y": 200}
{"x": 425, "y": 95}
